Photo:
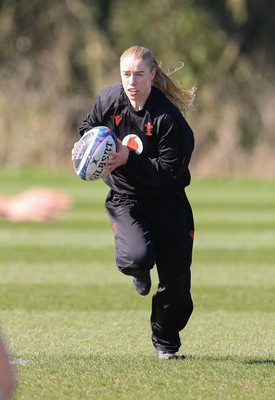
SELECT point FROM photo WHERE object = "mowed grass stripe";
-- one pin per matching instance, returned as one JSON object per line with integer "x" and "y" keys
{"x": 57, "y": 272}
{"x": 36, "y": 254}
{"x": 123, "y": 297}
{"x": 94, "y": 237}
{"x": 209, "y": 333}
{"x": 61, "y": 272}
{"x": 228, "y": 193}
{"x": 86, "y": 238}
{"x": 234, "y": 223}
{"x": 234, "y": 256}
{"x": 65, "y": 254}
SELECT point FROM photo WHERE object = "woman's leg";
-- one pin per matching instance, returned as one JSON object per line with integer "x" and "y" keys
{"x": 172, "y": 304}
{"x": 134, "y": 247}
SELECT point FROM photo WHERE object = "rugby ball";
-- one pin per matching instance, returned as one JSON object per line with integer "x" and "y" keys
{"x": 90, "y": 152}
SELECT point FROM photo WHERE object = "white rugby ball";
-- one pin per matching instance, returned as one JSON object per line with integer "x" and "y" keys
{"x": 91, "y": 152}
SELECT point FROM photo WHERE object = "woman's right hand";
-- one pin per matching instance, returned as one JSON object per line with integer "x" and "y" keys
{"x": 117, "y": 159}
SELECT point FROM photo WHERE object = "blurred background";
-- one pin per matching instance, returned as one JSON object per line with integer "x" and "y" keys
{"x": 55, "y": 56}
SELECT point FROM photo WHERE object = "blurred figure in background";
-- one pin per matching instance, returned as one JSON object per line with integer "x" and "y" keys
{"x": 35, "y": 204}
{"x": 7, "y": 375}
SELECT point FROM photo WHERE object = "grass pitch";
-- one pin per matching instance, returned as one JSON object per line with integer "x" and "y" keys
{"x": 77, "y": 329}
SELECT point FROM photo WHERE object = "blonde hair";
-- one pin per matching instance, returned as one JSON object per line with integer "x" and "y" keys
{"x": 181, "y": 98}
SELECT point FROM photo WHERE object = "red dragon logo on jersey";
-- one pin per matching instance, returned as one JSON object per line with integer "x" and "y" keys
{"x": 149, "y": 127}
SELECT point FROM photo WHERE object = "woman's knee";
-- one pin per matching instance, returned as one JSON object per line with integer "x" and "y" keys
{"x": 136, "y": 264}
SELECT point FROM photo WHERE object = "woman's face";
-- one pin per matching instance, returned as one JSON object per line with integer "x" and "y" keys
{"x": 136, "y": 80}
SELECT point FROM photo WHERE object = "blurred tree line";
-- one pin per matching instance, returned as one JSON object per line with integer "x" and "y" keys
{"x": 55, "y": 56}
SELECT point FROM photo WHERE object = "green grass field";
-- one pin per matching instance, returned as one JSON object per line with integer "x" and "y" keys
{"x": 77, "y": 329}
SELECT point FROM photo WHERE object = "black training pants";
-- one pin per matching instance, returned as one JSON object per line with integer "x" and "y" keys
{"x": 159, "y": 230}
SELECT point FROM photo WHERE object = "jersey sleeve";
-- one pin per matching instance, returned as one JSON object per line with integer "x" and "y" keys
{"x": 93, "y": 119}
{"x": 107, "y": 99}
{"x": 176, "y": 144}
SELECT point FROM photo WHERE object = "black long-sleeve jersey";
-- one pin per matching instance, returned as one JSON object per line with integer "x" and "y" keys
{"x": 159, "y": 139}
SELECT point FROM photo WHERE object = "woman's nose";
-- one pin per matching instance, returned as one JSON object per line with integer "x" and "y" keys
{"x": 132, "y": 78}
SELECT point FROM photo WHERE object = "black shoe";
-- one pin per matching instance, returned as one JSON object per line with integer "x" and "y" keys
{"x": 166, "y": 355}
{"x": 143, "y": 285}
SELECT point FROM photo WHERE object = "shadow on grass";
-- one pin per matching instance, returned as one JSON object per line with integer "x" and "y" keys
{"x": 234, "y": 358}
{"x": 252, "y": 362}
